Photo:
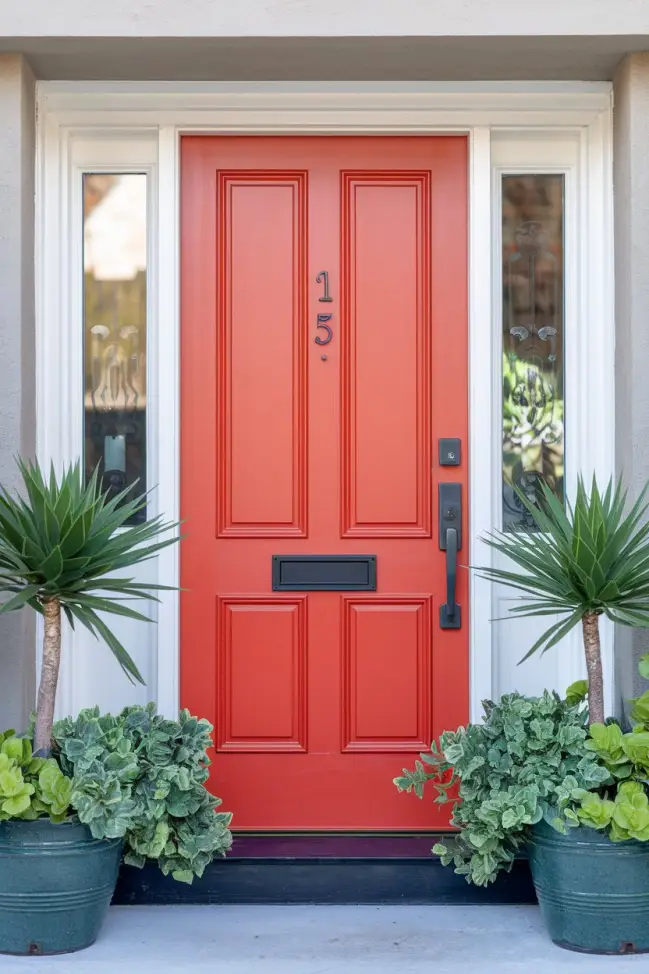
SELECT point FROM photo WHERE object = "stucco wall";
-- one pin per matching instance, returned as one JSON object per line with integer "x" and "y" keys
{"x": 354, "y": 40}
{"x": 631, "y": 179}
{"x": 326, "y": 18}
{"x": 17, "y": 400}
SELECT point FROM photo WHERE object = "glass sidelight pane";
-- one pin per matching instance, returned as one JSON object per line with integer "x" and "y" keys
{"x": 115, "y": 323}
{"x": 533, "y": 313}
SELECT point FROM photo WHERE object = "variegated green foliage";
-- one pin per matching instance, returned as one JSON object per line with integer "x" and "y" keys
{"x": 521, "y": 764}
{"x": 30, "y": 787}
{"x": 591, "y": 558}
{"x": 60, "y": 540}
{"x": 140, "y": 776}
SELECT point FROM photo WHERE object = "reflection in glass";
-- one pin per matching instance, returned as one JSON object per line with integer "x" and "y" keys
{"x": 533, "y": 299}
{"x": 115, "y": 294}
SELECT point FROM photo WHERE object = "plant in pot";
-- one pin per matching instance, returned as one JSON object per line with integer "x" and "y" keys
{"x": 554, "y": 774}
{"x": 70, "y": 801}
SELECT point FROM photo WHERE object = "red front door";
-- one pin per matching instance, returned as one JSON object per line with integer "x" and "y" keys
{"x": 311, "y": 427}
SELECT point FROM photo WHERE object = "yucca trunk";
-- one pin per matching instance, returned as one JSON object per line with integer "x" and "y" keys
{"x": 49, "y": 676}
{"x": 592, "y": 649}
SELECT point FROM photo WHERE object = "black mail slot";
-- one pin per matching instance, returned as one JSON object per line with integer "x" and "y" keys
{"x": 324, "y": 573}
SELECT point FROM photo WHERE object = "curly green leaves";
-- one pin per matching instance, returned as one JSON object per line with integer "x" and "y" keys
{"x": 55, "y": 790}
{"x": 577, "y": 692}
{"x": 640, "y": 709}
{"x": 624, "y": 755}
{"x": 607, "y": 742}
{"x": 626, "y": 817}
{"x": 595, "y": 811}
{"x": 15, "y": 792}
{"x": 30, "y": 787}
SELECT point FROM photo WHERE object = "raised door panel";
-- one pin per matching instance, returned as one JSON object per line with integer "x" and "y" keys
{"x": 261, "y": 383}
{"x": 386, "y": 688}
{"x": 261, "y": 674}
{"x": 386, "y": 401}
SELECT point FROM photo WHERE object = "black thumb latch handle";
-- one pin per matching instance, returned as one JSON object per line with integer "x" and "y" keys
{"x": 451, "y": 572}
{"x": 450, "y": 541}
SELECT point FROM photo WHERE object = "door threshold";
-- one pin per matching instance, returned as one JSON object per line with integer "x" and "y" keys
{"x": 325, "y": 868}
{"x": 337, "y": 845}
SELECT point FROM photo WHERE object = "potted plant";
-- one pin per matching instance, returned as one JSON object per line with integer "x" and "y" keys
{"x": 577, "y": 798}
{"x": 68, "y": 804}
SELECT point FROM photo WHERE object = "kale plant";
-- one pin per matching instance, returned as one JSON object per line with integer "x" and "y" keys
{"x": 141, "y": 777}
{"x": 525, "y": 762}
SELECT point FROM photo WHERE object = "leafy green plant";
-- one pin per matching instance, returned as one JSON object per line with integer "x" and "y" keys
{"x": 30, "y": 787}
{"x": 588, "y": 560}
{"x": 624, "y": 817}
{"x": 60, "y": 545}
{"x": 621, "y": 805}
{"x": 526, "y": 761}
{"x": 141, "y": 777}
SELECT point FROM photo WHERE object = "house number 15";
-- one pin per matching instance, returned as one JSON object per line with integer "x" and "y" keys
{"x": 323, "y": 278}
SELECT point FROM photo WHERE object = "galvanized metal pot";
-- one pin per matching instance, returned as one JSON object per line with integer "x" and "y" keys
{"x": 56, "y": 883}
{"x": 593, "y": 893}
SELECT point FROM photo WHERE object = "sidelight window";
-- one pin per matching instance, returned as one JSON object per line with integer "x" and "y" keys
{"x": 115, "y": 328}
{"x": 533, "y": 339}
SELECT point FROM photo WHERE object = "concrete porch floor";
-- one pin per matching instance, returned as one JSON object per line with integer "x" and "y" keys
{"x": 323, "y": 939}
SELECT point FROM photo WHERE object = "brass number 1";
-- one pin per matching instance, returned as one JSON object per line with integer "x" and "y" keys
{"x": 324, "y": 276}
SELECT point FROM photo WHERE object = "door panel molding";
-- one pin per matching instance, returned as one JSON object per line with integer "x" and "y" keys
{"x": 363, "y": 322}
{"x": 244, "y": 490}
{"x": 375, "y": 639}
{"x": 273, "y": 661}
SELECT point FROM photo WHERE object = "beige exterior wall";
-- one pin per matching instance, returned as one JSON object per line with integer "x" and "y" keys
{"x": 631, "y": 187}
{"x": 17, "y": 399}
{"x": 323, "y": 18}
{"x": 350, "y": 40}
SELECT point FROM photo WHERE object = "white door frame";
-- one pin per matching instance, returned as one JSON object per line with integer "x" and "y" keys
{"x": 82, "y": 123}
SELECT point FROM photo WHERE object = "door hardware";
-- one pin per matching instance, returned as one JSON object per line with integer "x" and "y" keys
{"x": 450, "y": 541}
{"x": 324, "y": 573}
{"x": 329, "y": 333}
{"x": 323, "y": 277}
{"x": 449, "y": 452}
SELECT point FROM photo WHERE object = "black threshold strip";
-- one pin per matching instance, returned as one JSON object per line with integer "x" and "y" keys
{"x": 325, "y": 868}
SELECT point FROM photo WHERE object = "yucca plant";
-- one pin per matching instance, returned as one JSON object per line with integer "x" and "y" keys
{"x": 589, "y": 560}
{"x": 60, "y": 544}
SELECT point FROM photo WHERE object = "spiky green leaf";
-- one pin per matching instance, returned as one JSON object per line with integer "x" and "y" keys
{"x": 64, "y": 539}
{"x": 591, "y": 557}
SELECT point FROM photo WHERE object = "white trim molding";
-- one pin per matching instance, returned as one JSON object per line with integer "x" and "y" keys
{"x": 126, "y": 127}
{"x": 589, "y": 337}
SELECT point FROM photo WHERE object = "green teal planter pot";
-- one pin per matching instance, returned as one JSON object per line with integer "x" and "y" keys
{"x": 593, "y": 893}
{"x": 56, "y": 883}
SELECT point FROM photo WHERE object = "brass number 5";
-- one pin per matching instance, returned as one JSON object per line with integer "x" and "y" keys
{"x": 321, "y": 324}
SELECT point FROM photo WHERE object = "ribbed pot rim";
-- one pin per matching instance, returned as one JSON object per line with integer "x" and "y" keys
{"x": 583, "y": 835}
{"x": 43, "y": 832}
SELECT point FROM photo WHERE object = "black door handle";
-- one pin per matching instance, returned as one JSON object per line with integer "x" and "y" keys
{"x": 451, "y": 607}
{"x": 450, "y": 541}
